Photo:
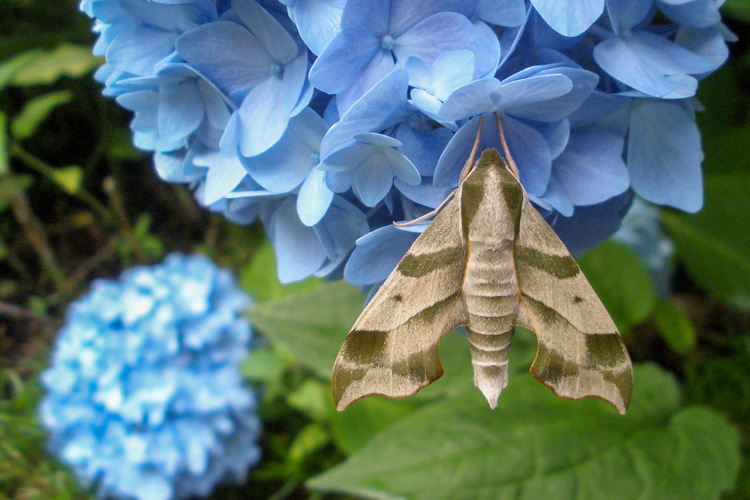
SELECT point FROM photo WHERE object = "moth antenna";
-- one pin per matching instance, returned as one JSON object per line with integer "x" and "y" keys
{"x": 511, "y": 163}
{"x": 428, "y": 214}
{"x": 470, "y": 162}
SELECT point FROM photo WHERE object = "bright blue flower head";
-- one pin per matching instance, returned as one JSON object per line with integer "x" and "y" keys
{"x": 144, "y": 396}
{"x": 328, "y": 120}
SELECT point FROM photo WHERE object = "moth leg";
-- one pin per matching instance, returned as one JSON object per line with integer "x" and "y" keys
{"x": 428, "y": 215}
{"x": 470, "y": 161}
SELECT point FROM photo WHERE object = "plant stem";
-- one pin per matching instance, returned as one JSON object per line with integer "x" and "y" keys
{"x": 110, "y": 187}
{"x": 34, "y": 231}
{"x": 285, "y": 490}
{"x": 48, "y": 171}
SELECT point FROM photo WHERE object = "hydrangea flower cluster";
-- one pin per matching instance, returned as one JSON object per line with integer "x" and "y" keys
{"x": 641, "y": 230}
{"x": 144, "y": 395}
{"x": 330, "y": 119}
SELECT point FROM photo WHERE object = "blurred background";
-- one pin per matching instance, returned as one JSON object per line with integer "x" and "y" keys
{"x": 78, "y": 202}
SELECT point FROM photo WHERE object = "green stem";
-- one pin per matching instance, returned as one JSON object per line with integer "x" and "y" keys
{"x": 48, "y": 171}
{"x": 285, "y": 490}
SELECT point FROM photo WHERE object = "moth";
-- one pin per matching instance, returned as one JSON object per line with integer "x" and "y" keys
{"x": 490, "y": 262}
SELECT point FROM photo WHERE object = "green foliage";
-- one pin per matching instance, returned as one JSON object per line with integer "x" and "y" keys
{"x": 4, "y": 160}
{"x": 537, "y": 446}
{"x": 739, "y": 9}
{"x": 26, "y": 472}
{"x": 312, "y": 324}
{"x": 258, "y": 277}
{"x": 674, "y": 327}
{"x": 35, "y": 112}
{"x": 621, "y": 281}
{"x": 714, "y": 245}
{"x": 45, "y": 68}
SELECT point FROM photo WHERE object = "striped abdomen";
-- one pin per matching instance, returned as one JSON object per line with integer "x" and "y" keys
{"x": 491, "y": 296}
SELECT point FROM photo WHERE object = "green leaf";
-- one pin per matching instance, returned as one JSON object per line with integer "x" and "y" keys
{"x": 259, "y": 277}
{"x": 724, "y": 124}
{"x": 739, "y": 9}
{"x": 714, "y": 244}
{"x": 309, "y": 440}
{"x": 264, "y": 365}
{"x": 621, "y": 281}
{"x": 36, "y": 111}
{"x": 4, "y": 159}
{"x": 311, "y": 324}
{"x": 10, "y": 67}
{"x": 313, "y": 399}
{"x": 66, "y": 60}
{"x": 674, "y": 327}
{"x": 536, "y": 446}
{"x": 68, "y": 178}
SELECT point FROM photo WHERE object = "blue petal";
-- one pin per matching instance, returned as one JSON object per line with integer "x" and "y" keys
{"x": 708, "y": 43}
{"x": 451, "y": 70}
{"x": 314, "y": 198}
{"x": 448, "y": 31}
{"x": 345, "y": 58}
{"x": 378, "y": 140}
{"x": 548, "y": 101}
{"x": 423, "y": 149}
{"x": 373, "y": 15}
{"x": 694, "y": 14}
{"x": 140, "y": 49}
{"x": 404, "y": 14}
{"x": 181, "y": 111}
{"x": 665, "y": 155}
{"x": 227, "y": 54}
{"x": 531, "y": 154}
{"x": 378, "y": 67}
{"x": 592, "y": 224}
{"x": 569, "y": 17}
{"x": 318, "y": 21}
{"x": 557, "y": 199}
{"x": 262, "y": 118}
{"x": 401, "y": 166}
{"x": 224, "y": 174}
{"x": 374, "y": 180}
{"x": 299, "y": 253}
{"x": 651, "y": 64}
{"x": 625, "y": 15}
{"x": 470, "y": 100}
{"x": 455, "y": 155}
{"x": 377, "y": 254}
{"x": 501, "y": 12}
{"x": 274, "y": 38}
{"x": 383, "y": 106}
{"x": 424, "y": 193}
{"x": 285, "y": 166}
{"x": 591, "y": 169}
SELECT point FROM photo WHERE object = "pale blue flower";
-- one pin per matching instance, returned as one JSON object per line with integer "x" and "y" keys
{"x": 144, "y": 396}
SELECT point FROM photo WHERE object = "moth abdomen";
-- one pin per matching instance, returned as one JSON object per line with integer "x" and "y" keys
{"x": 489, "y": 357}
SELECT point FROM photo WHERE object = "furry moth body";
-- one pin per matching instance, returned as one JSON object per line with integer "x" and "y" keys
{"x": 489, "y": 262}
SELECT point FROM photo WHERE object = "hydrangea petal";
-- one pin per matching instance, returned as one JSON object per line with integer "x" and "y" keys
{"x": 373, "y": 180}
{"x": 228, "y": 55}
{"x": 347, "y": 56}
{"x": 224, "y": 174}
{"x": 318, "y": 21}
{"x": 291, "y": 239}
{"x": 278, "y": 43}
{"x": 262, "y": 118}
{"x": 591, "y": 169}
{"x": 141, "y": 49}
{"x": 665, "y": 155}
{"x": 314, "y": 198}
{"x": 694, "y": 14}
{"x": 377, "y": 254}
{"x": 569, "y": 17}
{"x": 501, "y": 12}
{"x": 181, "y": 111}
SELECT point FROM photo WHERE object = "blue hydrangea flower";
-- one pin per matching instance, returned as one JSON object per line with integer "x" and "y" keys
{"x": 328, "y": 120}
{"x": 641, "y": 230}
{"x": 144, "y": 396}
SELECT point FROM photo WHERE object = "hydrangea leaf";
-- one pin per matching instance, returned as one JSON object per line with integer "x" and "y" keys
{"x": 538, "y": 446}
{"x": 621, "y": 281}
{"x": 714, "y": 244}
{"x": 295, "y": 324}
{"x": 65, "y": 60}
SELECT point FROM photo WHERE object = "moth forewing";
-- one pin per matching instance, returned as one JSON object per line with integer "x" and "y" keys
{"x": 490, "y": 262}
{"x": 392, "y": 350}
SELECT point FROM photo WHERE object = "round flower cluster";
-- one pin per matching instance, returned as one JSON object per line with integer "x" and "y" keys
{"x": 331, "y": 119}
{"x": 144, "y": 395}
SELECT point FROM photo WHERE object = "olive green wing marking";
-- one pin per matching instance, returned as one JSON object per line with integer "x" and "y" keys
{"x": 580, "y": 352}
{"x": 392, "y": 350}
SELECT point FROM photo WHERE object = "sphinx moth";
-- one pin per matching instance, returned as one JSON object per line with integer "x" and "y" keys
{"x": 488, "y": 261}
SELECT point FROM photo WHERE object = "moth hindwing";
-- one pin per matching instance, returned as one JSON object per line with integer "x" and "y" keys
{"x": 490, "y": 262}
